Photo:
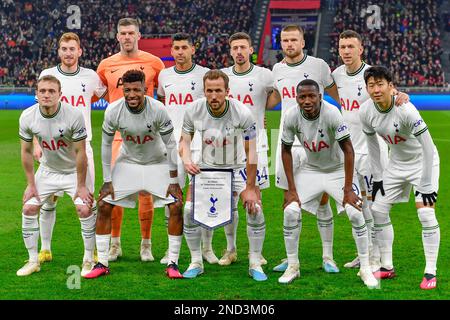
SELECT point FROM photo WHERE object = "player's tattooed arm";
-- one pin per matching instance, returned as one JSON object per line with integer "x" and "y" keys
{"x": 185, "y": 146}
{"x": 291, "y": 194}
{"x": 273, "y": 99}
{"x": 350, "y": 196}
{"x": 28, "y": 166}
{"x": 333, "y": 92}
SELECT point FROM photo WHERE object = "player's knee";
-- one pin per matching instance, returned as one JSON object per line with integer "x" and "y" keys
{"x": 427, "y": 216}
{"x": 292, "y": 214}
{"x": 380, "y": 213}
{"x": 104, "y": 209}
{"x": 30, "y": 210}
{"x": 84, "y": 211}
{"x": 355, "y": 216}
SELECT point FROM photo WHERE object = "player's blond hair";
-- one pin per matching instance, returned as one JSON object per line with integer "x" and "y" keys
{"x": 293, "y": 27}
{"x": 125, "y": 22}
{"x": 216, "y": 74}
{"x": 66, "y": 37}
{"x": 49, "y": 78}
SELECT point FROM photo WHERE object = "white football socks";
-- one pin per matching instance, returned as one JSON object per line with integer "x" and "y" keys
{"x": 325, "y": 225}
{"x": 88, "y": 235}
{"x": 174, "y": 248}
{"x": 207, "y": 236}
{"x": 192, "y": 233}
{"x": 47, "y": 218}
{"x": 431, "y": 236}
{"x": 292, "y": 225}
{"x": 360, "y": 234}
{"x": 102, "y": 241}
{"x": 383, "y": 233}
{"x": 231, "y": 229}
{"x": 256, "y": 232}
{"x": 30, "y": 234}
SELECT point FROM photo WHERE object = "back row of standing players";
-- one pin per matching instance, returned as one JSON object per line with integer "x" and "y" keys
{"x": 258, "y": 89}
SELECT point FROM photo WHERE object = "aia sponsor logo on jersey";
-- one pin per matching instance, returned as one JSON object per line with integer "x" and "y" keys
{"x": 216, "y": 141}
{"x": 288, "y": 92}
{"x": 180, "y": 99}
{"x": 138, "y": 139}
{"x": 342, "y": 128}
{"x": 245, "y": 99}
{"x": 393, "y": 140}
{"x": 349, "y": 106}
{"x": 54, "y": 145}
{"x": 313, "y": 147}
{"x": 75, "y": 101}
{"x": 418, "y": 123}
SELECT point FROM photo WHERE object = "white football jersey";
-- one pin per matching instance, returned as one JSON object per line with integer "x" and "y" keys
{"x": 223, "y": 136}
{"x": 352, "y": 94}
{"x": 319, "y": 136}
{"x": 180, "y": 88}
{"x": 55, "y": 133}
{"x": 141, "y": 131}
{"x": 251, "y": 88}
{"x": 398, "y": 126}
{"x": 78, "y": 88}
{"x": 287, "y": 76}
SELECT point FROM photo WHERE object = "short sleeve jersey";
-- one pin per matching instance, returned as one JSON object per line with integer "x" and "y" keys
{"x": 287, "y": 76}
{"x": 77, "y": 89}
{"x": 251, "y": 88}
{"x": 55, "y": 134}
{"x": 111, "y": 70}
{"x": 352, "y": 94}
{"x": 398, "y": 126}
{"x": 319, "y": 136}
{"x": 222, "y": 136}
{"x": 179, "y": 89}
{"x": 141, "y": 131}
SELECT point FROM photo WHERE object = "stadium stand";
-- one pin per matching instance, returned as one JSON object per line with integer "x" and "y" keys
{"x": 30, "y": 30}
{"x": 413, "y": 53}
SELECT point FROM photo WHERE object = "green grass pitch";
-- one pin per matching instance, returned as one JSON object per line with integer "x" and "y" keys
{"x": 132, "y": 279}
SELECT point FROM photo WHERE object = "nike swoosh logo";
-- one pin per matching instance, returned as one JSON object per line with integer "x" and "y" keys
{"x": 112, "y": 71}
{"x": 280, "y": 79}
{"x": 122, "y": 128}
{"x": 339, "y": 87}
{"x": 167, "y": 85}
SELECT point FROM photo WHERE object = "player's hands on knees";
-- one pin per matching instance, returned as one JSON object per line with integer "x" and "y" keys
{"x": 29, "y": 193}
{"x": 289, "y": 197}
{"x": 377, "y": 186}
{"x": 402, "y": 98}
{"x": 192, "y": 168}
{"x": 429, "y": 199}
{"x": 352, "y": 199}
{"x": 84, "y": 194}
{"x": 174, "y": 189}
{"x": 250, "y": 199}
{"x": 105, "y": 190}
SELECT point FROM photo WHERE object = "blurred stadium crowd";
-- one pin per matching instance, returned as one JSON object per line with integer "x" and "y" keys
{"x": 408, "y": 42}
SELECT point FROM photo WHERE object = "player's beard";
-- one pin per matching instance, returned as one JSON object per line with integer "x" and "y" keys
{"x": 292, "y": 54}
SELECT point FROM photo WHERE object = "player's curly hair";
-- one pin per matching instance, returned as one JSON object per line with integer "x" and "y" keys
{"x": 133, "y": 76}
